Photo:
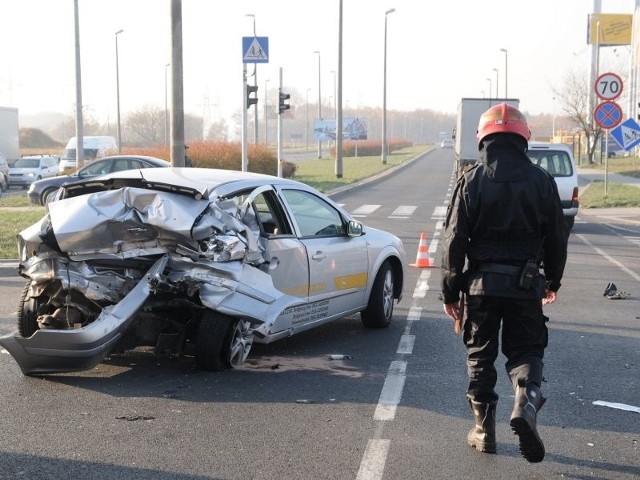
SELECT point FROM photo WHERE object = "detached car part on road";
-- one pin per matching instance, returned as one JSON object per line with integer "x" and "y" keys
{"x": 210, "y": 260}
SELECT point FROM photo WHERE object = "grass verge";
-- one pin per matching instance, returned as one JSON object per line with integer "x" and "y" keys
{"x": 321, "y": 174}
{"x": 618, "y": 195}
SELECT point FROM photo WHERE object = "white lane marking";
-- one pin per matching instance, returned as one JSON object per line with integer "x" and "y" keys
{"x": 433, "y": 246}
{"x": 404, "y": 211}
{"x": 374, "y": 459}
{"x": 406, "y": 344}
{"x": 439, "y": 212}
{"x": 619, "y": 406}
{"x": 391, "y": 391}
{"x": 422, "y": 286}
{"x": 365, "y": 209}
{"x": 602, "y": 253}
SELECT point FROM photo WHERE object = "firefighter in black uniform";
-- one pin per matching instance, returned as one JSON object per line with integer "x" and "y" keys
{"x": 504, "y": 227}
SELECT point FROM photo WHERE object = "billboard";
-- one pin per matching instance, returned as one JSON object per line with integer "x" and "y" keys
{"x": 352, "y": 129}
{"x": 615, "y": 29}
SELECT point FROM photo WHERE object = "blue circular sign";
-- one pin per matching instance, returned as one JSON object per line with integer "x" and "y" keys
{"x": 607, "y": 115}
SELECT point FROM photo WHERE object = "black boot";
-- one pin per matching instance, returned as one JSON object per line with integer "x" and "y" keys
{"x": 523, "y": 421}
{"x": 483, "y": 436}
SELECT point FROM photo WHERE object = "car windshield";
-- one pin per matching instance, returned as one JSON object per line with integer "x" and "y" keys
{"x": 556, "y": 162}
{"x": 27, "y": 163}
{"x": 89, "y": 153}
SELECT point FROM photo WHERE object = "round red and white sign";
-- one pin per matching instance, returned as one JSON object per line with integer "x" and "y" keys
{"x": 608, "y": 86}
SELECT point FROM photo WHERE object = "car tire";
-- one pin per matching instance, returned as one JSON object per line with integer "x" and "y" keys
{"x": 28, "y": 312}
{"x": 379, "y": 310}
{"x": 222, "y": 342}
{"x": 4, "y": 185}
{"x": 568, "y": 223}
{"x": 47, "y": 195}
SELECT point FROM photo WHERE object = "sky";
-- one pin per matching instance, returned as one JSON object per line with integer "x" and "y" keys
{"x": 437, "y": 52}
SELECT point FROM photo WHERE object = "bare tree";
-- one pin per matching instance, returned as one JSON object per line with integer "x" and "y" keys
{"x": 218, "y": 131}
{"x": 573, "y": 97}
{"x": 145, "y": 127}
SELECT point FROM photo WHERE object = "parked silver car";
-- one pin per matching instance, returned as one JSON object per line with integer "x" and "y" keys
{"x": 177, "y": 258}
{"x": 31, "y": 168}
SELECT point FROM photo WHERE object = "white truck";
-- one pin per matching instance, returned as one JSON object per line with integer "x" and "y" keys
{"x": 9, "y": 134}
{"x": 466, "y": 143}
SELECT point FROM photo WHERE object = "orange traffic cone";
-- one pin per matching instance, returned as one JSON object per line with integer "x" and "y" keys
{"x": 422, "y": 259}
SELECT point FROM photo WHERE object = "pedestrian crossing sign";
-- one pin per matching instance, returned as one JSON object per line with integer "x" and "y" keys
{"x": 627, "y": 134}
{"x": 255, "y": 49}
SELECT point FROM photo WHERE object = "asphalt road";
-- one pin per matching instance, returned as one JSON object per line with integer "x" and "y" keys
{"x": 395, "y": 409}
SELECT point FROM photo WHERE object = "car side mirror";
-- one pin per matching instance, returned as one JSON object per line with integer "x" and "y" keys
{"x": 355, "y": 228}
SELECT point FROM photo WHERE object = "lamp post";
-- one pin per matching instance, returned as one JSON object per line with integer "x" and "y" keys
{"x": 497, "y": 94}
{"x": 505, "y": 71}
{"x": 166, "y": 109}
{"x": 266, "y": 131}
{"x": 118, "y": 93}
{"x": 255, "y": 84}
{"x": 319, "y": 104}
{"x": 306, "y": 130}
{"x": 384, "y": 90}
{"x": 335, "y": 98}
{"x": 490, "y": 91}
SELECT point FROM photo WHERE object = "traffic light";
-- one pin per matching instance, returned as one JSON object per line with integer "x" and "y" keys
{"x": 252, "y": 100}
{"x": 283, "y": 98}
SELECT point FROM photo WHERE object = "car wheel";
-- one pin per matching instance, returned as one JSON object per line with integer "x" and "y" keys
{"x": 380, "y": 307}
{"x": 568, "y": 222}
{"x": 4, "y": 186}
{"x": 222, "y": 342}
{"x": 47, "y": 195}
{"x": 28, "y": 312}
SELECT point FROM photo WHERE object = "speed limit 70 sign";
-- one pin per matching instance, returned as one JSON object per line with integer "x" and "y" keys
{"x": 608, "y": 86}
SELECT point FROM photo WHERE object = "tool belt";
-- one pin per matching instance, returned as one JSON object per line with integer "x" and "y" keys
{"x": 498, "y": 268}
{"x": 525, "y": 273}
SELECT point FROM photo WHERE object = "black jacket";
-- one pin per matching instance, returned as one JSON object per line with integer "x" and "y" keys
{"x": 505, "y": 210}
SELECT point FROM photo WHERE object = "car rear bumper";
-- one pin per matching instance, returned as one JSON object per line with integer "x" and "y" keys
{"x": 48, "y": 351}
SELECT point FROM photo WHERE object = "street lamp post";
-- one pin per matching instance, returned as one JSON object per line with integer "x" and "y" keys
{"x": 266, "y": 126}
{"x": 335, "y": 98}
{"x": 505, "y": 71}
{"x": 497, "y": 91}
{"x": 306, "y": 130}
{"x": 490, "y": 88}
{"x": 319, "y": 104}
{"x": 166, "y": 109}
{"x": 384, "y": 91}
{"x": 118, "y": 93}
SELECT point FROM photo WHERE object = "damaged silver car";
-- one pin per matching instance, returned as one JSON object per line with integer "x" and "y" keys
{"x": 188, "y": 258}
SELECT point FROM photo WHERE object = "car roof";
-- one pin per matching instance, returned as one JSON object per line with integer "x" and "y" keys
{"x": 202, "y": 182}
{"x": 549, "y": 146}
{"x": 150, "y": 159}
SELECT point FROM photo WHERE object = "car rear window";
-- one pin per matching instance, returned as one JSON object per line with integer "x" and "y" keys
{"x": 556, "y": 162}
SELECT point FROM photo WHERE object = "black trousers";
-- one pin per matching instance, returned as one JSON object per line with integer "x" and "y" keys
{"x": 524, "y": 338}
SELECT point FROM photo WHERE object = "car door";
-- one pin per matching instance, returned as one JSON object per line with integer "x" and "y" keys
{"x": 338, "y": 263}
{"x": 50, "y": 167}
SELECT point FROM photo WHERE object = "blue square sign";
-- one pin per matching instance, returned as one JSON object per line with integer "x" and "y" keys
{"x": 627, "y": 134}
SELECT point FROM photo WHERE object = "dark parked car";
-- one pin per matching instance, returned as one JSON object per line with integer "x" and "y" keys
{"x": 193, "y": 260}
{"x": 41, "y": 191}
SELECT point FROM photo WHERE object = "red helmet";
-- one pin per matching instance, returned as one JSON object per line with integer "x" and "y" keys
{"x": 503, "y": 118}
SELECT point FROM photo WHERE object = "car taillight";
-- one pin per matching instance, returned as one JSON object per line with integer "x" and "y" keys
{"x": 574, "y": 197}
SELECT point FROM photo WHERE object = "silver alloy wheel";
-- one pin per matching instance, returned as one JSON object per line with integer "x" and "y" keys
{"x": 240, "y": 344}
{"x": 387, "y": 294}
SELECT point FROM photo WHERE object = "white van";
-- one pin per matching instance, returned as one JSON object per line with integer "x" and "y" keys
{"x": 94, "y": 147}
{"x": 557, "y": 159}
